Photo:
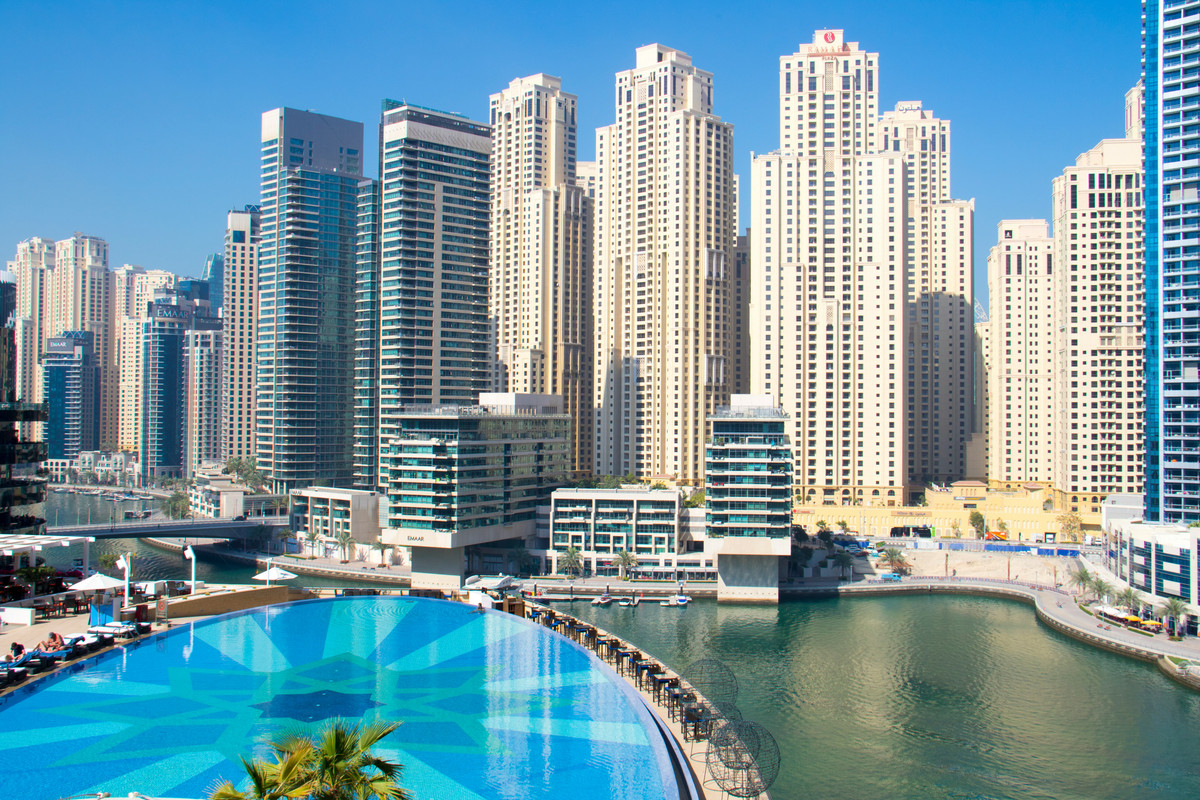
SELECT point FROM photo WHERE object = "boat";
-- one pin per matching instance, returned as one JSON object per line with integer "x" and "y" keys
{"x": 603, "y": 600}
{"x": 677, "y": 600}
{"x": 629, "y": 602}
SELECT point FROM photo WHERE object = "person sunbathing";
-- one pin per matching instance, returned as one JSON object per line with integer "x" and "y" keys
{"x": 52, "y": 644}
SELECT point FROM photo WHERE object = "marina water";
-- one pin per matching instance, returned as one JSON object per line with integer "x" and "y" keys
{"x": 924, "y": 696}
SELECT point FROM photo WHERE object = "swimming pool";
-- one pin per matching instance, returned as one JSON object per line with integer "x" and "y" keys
{"x": 493, "y": 706}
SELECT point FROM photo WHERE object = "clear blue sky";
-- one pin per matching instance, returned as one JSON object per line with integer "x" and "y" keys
{"x": 139, "y": 121}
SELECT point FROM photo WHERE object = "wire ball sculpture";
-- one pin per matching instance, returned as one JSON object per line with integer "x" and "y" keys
{"x": 743, "y": 758}
{"x": 713, "y": 680}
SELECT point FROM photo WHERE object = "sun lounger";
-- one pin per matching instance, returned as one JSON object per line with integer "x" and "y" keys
{"x": 126, "y": 629}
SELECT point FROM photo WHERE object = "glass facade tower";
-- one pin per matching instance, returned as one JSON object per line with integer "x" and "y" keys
{"x": 433, "y": 265}
{"x": 311, "y": 167}
{"x": 1170, "y": 43}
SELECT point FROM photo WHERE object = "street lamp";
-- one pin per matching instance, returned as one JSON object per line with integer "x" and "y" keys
{"x": 125, "y": 564}
{"x": 190, "y": 555}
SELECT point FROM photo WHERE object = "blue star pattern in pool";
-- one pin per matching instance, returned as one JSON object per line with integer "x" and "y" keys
{"x": 493, "y": 706}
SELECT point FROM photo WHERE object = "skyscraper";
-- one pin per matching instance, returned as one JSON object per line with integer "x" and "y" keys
{"x": 862, "y": 275}
{"x": 1097, "y": 288}
{"x": 311, "y": 165}
{"x": 180, "y": 388}
{"x": 830, "y": 215}
{"x": 366, "y": 339}
{"x": 541, "y": 254}
{"x": 240, "y": 319}
{"x": 133, "y": 289}
{"x": 939, "y": 296}
{"x": 72, "y": 391}
{"x": 81, "y": 300}
{"x": 433, "y": 287}
{"x": 202, "y": 379}
{"x": 214, "y": 275}
{"x": 1021, "y": 360}
{"x": 665, "y": 228}
{"x": 1172, "y": 304}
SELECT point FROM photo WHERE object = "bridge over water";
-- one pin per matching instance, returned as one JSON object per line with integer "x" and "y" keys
{"x": 172, "y": 528}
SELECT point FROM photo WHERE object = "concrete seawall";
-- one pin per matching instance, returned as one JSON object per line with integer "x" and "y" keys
{"x": 296, "y": 565}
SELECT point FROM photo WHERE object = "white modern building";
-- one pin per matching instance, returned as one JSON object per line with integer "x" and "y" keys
{"x": 322, "y": 517}
{"x": 665, "y": 230}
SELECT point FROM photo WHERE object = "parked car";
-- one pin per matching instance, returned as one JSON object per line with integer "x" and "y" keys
{"x": 240, "y": 518}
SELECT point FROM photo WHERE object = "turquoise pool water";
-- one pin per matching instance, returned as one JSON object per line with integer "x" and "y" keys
{"x": 492, "y": 706}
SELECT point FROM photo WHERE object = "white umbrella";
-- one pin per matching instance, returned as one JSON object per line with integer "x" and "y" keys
{"x": 97, "y": 583}
{"x": 274, "y": 574}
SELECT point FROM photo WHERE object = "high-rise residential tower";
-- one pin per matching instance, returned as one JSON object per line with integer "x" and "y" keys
{"x": 433, "y": 277}
{"x": 311, "y": 166}
{"x": 239, "y": 316}
{"x": 830, "y": 215}
{"x": 202, "y": 379}
{"x": 939, "y": 297}
{"x": 665, "y": 229}
{"x": 861, "y": 266}
{"x": 81, "y": 300}
{"x": 1098, "y": 282}
{"x": 133, "y": 290}
{"x": 366, "y": 338}
{"x": 1172, "y": 302}
{"x": 541, "y": 254}
{"x": 72, "y": 390}
{"x": 1021, "y": 360}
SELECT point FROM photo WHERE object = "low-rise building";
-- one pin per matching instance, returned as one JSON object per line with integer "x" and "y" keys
{"x": 216, "y": 494}
{"x": 1159, "y": 559}
{"x": 321, "y": 516}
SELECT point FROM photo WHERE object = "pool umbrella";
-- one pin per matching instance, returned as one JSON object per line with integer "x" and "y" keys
{"x": 274, "y": 574}
{"x": 97, "y": 583}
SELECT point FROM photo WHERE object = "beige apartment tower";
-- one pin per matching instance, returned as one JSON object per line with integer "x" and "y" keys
{"x": 665, "y": 230}
{"x": 81, "y": 300}
{"x": 1020, "y": 395}
{"x": 540, "y": 261}
{"x": 1099, "y": 213}
{"x": 939, "y": 297}
{"x": 239, "y": 315}
{"x": 830, "y": 217}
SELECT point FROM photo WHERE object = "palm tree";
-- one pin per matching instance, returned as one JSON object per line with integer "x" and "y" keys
{"x": 1102, "y": 588}
{"x": 571, "y": 561}
{"x": 956, "y": 528}
{"x": 344, "y": 539}
{"x": 1176, "y": 611}
{"x": 845, "y": 561}
{"x": 843, "y": 526}
{"x": 626, "y": 563}
{"x": 1129, "y": 599}
{"x": 336, "y": 765}
{"x": 383, "y": 548}
{"x": 312, "y": 536}
{"x": 1081, "y": 579}
{"x": 894, "y": 558}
